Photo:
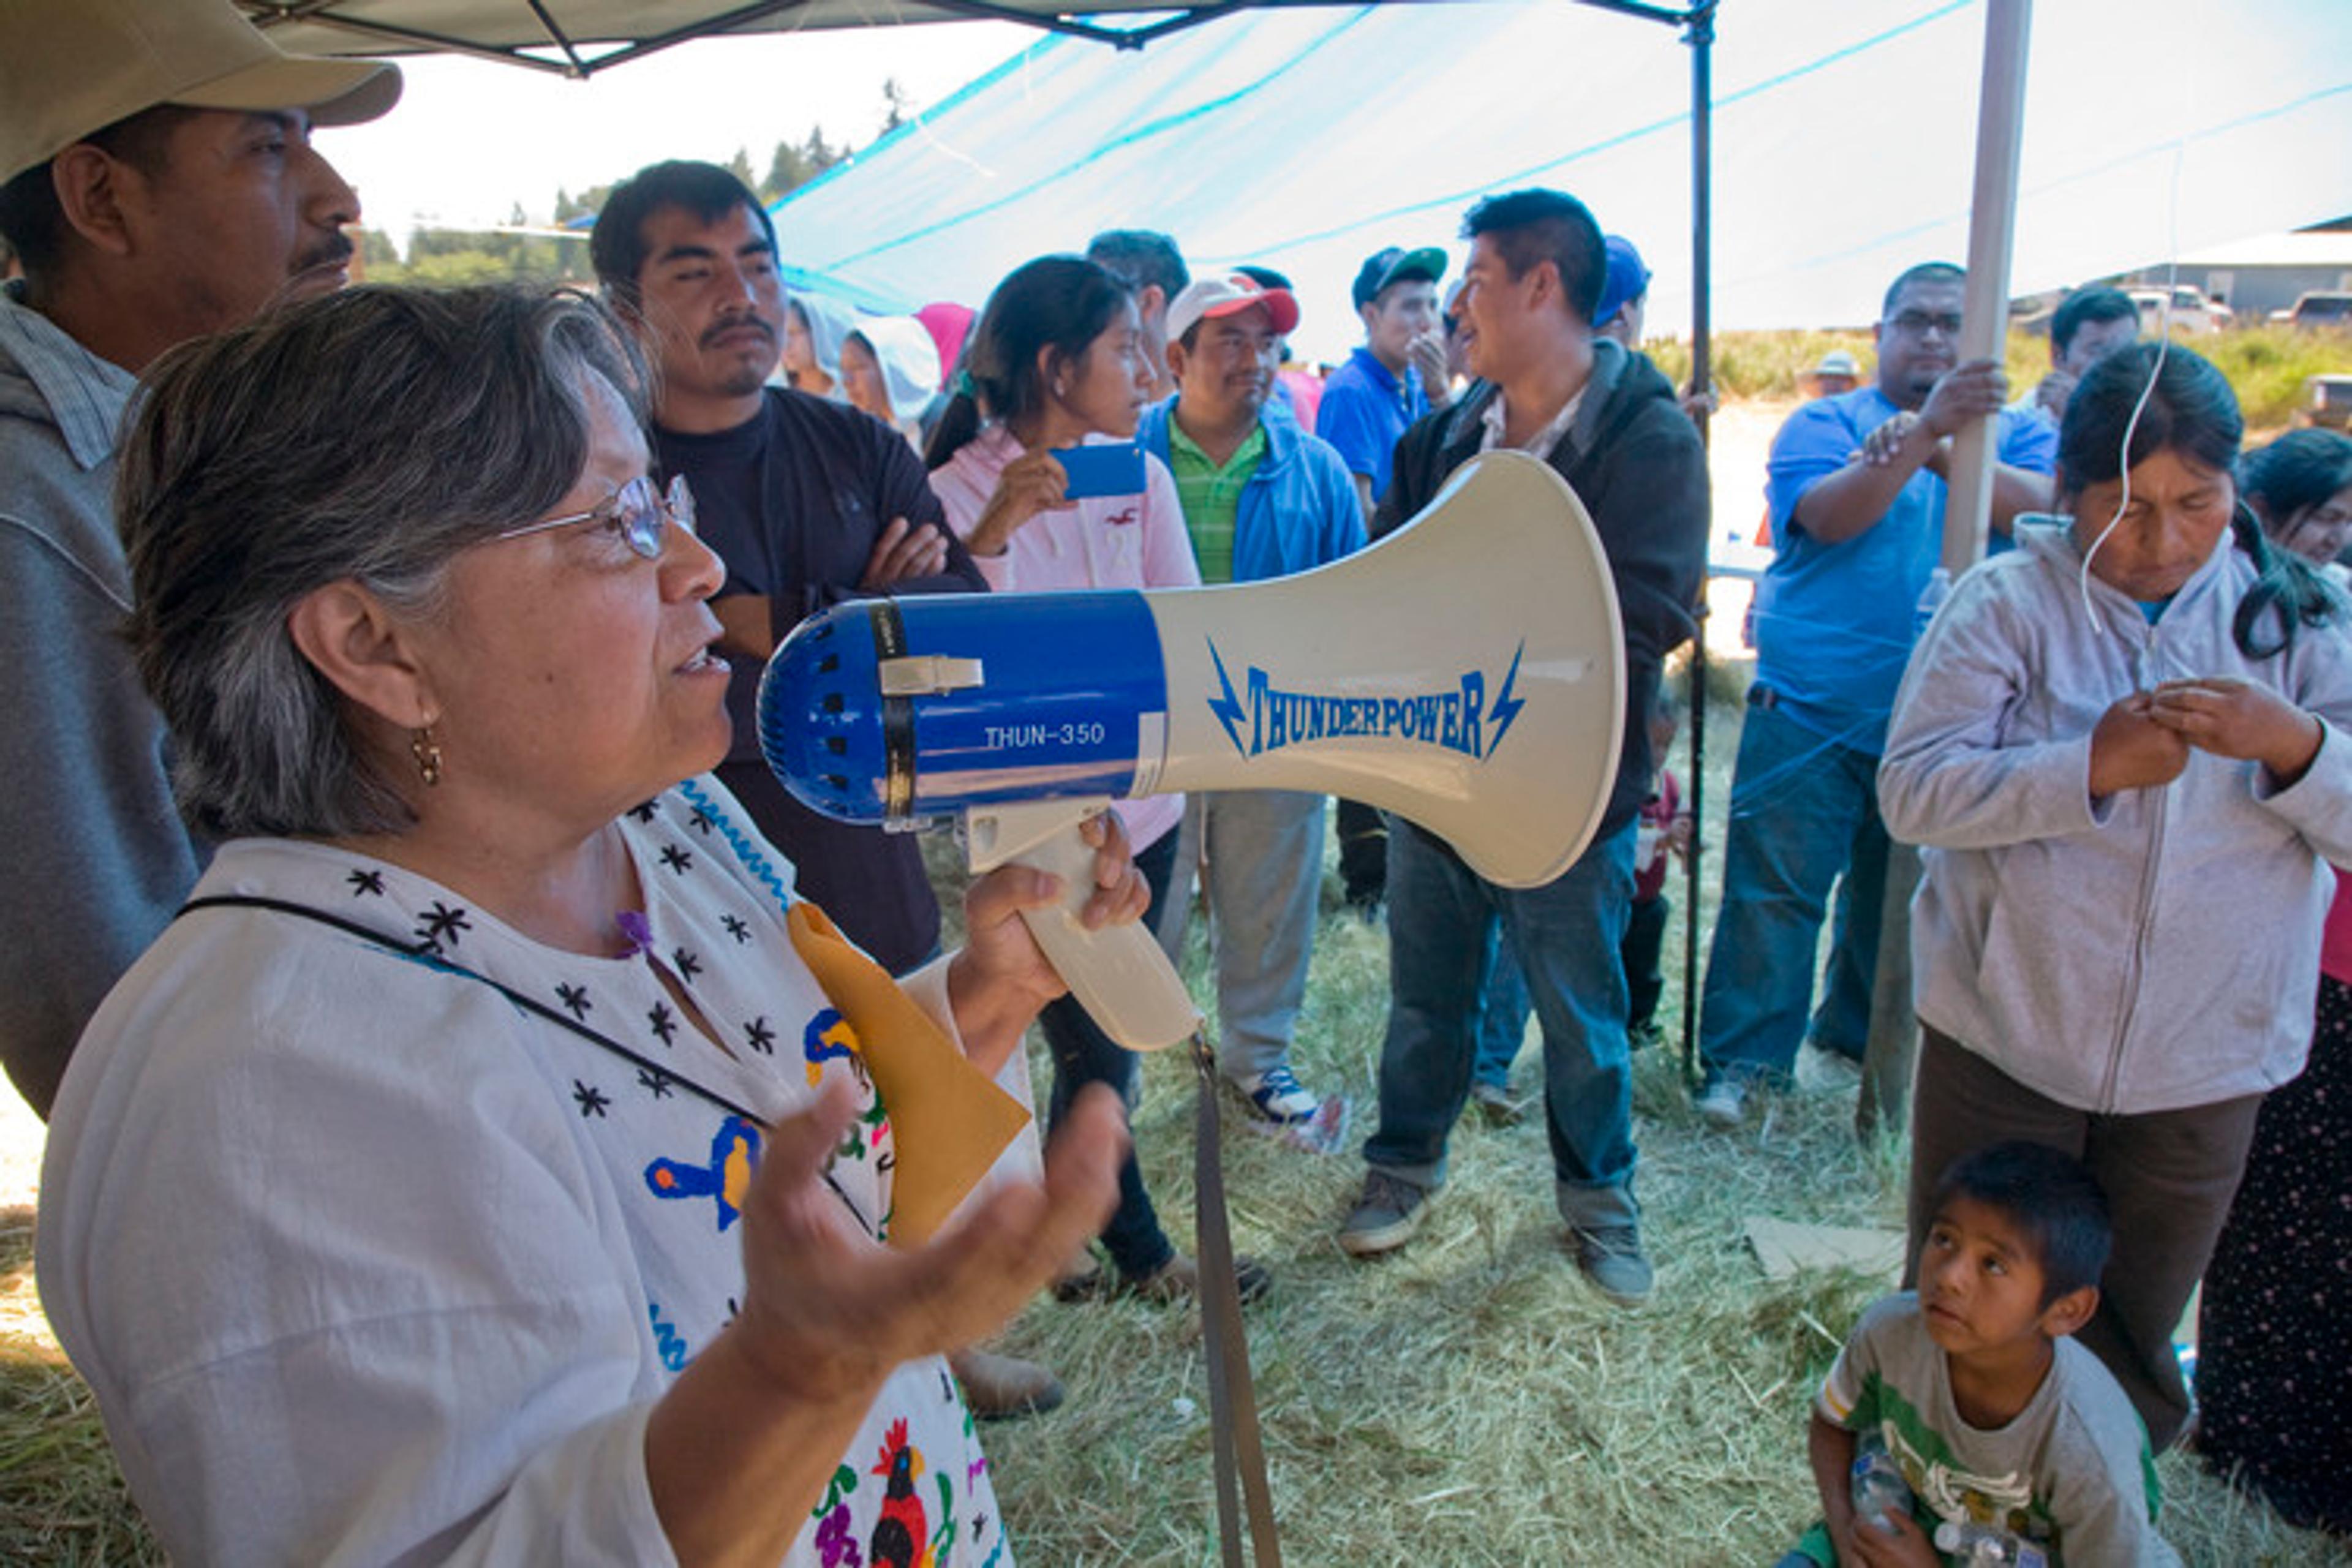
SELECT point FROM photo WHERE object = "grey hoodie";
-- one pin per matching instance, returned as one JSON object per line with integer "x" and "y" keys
{"x": 97, "y": 859}
{"x": 2148, "y": 951}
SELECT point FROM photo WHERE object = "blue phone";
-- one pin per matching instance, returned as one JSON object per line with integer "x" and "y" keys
{"x": 1114, "y": 468}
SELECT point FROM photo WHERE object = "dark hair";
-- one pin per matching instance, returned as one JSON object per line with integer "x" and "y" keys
{"x": 2189, "y": 410}
{"x": 1924, "y": 272}
{"x": 2300, "y": 469}
{"x": 2084, "y": 307}
{"x": 1057, "y": 302}
{"x": 2054, "y": 1202}
{"x": 1528, "y": 228}
{"x": 271, "y": 460}
{"x": 1140, "y": 257}
{"x": 617, "y": 245}
{"x": 32, "y": 219}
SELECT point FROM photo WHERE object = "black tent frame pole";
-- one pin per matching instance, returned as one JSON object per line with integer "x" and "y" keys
{"x": 1700, "y": 36}
{"x": 1698, "y": 33}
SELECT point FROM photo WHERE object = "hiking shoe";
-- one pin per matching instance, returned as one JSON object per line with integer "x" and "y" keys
{"x": 1179, "y": 1279}
{"x": 1612, "y": 1257}
{"x": 999, "y": 1387}
{"x": 1384, "y": 1219}
{"x": 1082, "y": 1278}
{"x": 1497, "y": 1106}
{"x": 1722, "y": 1102}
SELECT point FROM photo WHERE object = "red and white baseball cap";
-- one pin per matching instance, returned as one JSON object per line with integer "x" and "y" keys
{"x": 1226, "y": 295}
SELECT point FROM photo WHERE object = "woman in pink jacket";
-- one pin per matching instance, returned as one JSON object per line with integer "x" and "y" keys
{"x": 1056, "y": 362}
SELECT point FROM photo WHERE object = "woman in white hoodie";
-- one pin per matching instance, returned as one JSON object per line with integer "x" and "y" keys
{"x": 2126, "y": 749}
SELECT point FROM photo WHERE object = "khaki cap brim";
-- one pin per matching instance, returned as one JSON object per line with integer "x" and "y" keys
{"x": 69, "y": 69}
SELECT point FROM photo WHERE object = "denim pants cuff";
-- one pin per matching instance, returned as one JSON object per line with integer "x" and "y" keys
{"x": 1601, "y": 1207}
{"x": 1428, "y": 1178}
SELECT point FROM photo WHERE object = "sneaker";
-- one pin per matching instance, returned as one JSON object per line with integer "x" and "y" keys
{"x": 1275, "y": 1095}
{"x": 1179, "y": 1279}
{"x": 1612, "y": 1257}
{"x": 1495, "y": 1105}
{"x": 1823, "y": 1071}
{"x": 1279, "y": 1107}
{"x": 1384, "y": 1219}
{"x": 999, "y": 1387}
{"x": 1722, "y": 1102}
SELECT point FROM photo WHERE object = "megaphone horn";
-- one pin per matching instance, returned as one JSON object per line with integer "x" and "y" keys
{"x": 1466, "y": 673}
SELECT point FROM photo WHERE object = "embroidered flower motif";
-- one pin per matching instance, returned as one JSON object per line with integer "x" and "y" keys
{"x": 835, "y": 1547}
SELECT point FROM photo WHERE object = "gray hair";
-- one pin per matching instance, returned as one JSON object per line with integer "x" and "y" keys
{"x": 369, "y": 435}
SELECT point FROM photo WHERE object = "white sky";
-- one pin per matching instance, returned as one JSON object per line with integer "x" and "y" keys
{"x": 470, "y": 138}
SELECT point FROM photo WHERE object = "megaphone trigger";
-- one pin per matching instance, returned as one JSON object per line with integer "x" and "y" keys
{"x": 1119, "y": 973}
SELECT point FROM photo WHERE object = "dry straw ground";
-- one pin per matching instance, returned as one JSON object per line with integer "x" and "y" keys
{"x": 1466, "y": 1402}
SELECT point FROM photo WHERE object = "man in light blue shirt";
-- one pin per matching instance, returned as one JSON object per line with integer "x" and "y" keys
{"x": 1856, "y": 493}
{"x": 1398, "y": 373}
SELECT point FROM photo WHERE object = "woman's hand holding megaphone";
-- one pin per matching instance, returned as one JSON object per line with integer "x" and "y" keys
{"x": 1031, "y": 483}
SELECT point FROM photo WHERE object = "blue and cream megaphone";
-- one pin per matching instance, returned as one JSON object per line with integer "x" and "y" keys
{"x": 1466, "y": 673}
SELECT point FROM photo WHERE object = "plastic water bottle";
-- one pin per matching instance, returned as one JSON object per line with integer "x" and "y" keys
{"x": 1931, "y": 599}
{"x": 1987, "y": 1546}
{"x": 1878, "y": 1487}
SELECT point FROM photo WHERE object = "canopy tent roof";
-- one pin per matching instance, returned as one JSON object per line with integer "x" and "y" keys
{"x": 578, "y": 37}
{"x": 1842, "y": 136}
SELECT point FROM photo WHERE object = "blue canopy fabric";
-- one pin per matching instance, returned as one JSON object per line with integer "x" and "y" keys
{"x": 1844, "y": 140}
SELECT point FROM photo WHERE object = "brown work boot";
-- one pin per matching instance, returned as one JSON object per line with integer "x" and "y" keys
{"x": 1179, "y": 1279}
{"x": 999, "y": 1387}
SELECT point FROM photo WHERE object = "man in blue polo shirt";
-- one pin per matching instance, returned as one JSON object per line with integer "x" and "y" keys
{"x": 1398, "y": 375}
{"x": 1857, "y": 491}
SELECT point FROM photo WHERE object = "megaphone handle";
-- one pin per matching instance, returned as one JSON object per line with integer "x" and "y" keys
{"x": 1119, "y": 974}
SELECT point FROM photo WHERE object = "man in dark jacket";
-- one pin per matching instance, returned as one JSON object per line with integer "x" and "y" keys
{"x": 809, "y": 502}
{"x": 1607, "y": 422}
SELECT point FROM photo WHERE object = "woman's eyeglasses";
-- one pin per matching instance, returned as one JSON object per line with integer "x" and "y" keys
{"x": 639, "y": 509}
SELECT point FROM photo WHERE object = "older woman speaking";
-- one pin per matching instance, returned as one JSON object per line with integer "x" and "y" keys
{"x": 483, "y": 1167}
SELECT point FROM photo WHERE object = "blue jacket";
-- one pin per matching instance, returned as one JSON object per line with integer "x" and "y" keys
{"x": 1298, "y": 510}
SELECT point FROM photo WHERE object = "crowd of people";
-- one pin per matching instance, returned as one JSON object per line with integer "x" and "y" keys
{"x": 491, "y": 1118}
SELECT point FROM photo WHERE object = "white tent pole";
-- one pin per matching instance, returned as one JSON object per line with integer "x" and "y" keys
{"x": 1883, "y": 1102}
{"x": 1993, "y": 232}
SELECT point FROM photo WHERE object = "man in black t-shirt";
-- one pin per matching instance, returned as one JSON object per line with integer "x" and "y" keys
{"x": 809, "y": 502}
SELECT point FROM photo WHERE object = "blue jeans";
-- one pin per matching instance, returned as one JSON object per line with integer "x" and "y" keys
{"x": 1804, "y": 819}
{"x": 1565, "y": 936}
{"x": 1503, "y": 1020}
{"x": 1083, "y": 1054}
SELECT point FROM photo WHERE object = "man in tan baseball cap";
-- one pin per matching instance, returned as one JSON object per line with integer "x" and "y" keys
{"x": 157, "y": 183}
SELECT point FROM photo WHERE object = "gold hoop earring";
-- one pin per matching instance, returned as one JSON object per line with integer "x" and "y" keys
{"x": 428, "y": 753}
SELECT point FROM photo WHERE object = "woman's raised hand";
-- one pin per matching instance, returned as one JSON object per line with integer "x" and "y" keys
{"x": 827, "y": 1310}
{"x": 1031, "y": 483}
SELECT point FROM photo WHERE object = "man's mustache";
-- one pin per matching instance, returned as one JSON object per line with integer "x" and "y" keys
{"x": 333, "y": 251}
{"x": 733, "y": 323}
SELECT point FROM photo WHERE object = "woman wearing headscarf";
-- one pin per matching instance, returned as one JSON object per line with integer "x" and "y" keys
{"x": 488, "y": 1165}
{"x": 813, "y": 328}
{"x": 890, "y": 368}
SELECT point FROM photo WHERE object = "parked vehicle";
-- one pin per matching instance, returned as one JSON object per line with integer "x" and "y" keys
{"x": 2327, "y": 402}
{"x": 2193, "y": 311}
{"x": 2317, "y": 307}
